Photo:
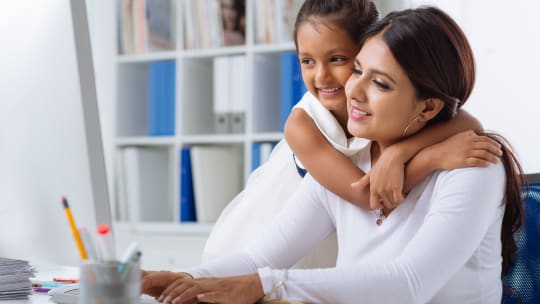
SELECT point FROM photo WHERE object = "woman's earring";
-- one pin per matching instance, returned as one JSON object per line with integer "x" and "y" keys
{"x": 409, "y": 124}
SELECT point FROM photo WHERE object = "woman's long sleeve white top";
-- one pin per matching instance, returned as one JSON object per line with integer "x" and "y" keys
{"x": 441, "y": 245}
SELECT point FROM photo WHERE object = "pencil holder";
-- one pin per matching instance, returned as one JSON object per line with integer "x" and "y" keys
{"x": 109, "y": 283}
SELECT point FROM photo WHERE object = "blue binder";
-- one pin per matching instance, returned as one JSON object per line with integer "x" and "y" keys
{"x": 187, "y": 196}
{"x": 292, "y": 84}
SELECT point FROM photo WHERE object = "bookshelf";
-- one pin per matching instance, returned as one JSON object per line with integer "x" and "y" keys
{"x": 154, "y": 219}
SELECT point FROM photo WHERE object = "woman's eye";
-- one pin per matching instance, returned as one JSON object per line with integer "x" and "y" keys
{"x": 307, "y": 61}
{"x": 381, "y": 84}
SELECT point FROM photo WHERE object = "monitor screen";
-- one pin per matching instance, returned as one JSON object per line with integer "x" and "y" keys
{"x": 50, "y": 137}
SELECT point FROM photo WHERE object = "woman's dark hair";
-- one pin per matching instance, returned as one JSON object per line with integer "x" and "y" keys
{"x": 353, "y": 16}
{"x": 436, "y": 56}
{"x": 513, "y": 213}
{"x": 433, "y": 51}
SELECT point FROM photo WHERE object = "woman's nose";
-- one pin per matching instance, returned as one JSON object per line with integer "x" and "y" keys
{"x": 354, "y": 88}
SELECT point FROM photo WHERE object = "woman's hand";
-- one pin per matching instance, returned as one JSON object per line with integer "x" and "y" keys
{"x": 385, "y": 180}
{"x": 246, "y": 289}
{"x": 153, "y": 283}
{"x": 465, "y": 149}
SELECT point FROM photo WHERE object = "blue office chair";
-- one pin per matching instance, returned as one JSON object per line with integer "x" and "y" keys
{"x": 522, "y": 283}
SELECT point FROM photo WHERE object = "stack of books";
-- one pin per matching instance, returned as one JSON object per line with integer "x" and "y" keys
{"x": 15, "y": 281}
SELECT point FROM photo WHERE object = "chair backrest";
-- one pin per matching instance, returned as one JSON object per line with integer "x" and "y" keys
{"x": 522, "y": 283}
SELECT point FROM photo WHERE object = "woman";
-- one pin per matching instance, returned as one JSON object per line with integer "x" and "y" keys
{"x": 448, "y": 242}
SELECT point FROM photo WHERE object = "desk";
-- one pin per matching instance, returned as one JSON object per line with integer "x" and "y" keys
{"x": 48, "y": 272}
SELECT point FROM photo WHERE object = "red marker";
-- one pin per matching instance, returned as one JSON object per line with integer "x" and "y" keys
{"x": 64, "y": 280}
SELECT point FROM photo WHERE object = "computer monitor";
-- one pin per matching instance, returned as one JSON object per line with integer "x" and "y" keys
{"x": 50, "y": 136}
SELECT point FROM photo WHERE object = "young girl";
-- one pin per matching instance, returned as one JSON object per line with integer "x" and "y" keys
{"x": 327, "y": 36}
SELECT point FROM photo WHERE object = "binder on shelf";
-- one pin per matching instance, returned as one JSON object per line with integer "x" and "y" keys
{"x": 275, "y": 20}
{"x": 145, "y": 26}
{"x": 147, "y": 187}
{"x": 190, "y": 25}
{"x": 187, "y": 198}
{"x": 215, "y": 26}
{"x": 213, "y": 23}
{"x": 266, "y": 151}
{"x": 255, "y": 156}
{"x": 160, "y": 33}
{"x": 161, "y": 98}
{"x": 121, "y": 209}
{"x": 202, "y": 21}
{"x": 217, "y": 178}
{"x": 292, "y": 85}
{"x": 140, "y": 25}
{"x": 239, "y": 96}
{"x": 260, "y": 153}
{"x": 230, "y": 93}
{"x": 125, "y": 32}
{"x": 222, "y": 93}
{"x": 132, "y": 183}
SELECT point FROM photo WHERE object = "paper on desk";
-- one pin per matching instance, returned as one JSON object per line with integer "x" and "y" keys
{"x": 15, "y": 279}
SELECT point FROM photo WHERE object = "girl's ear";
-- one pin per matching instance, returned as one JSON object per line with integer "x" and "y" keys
{"x": 430, "y": 108}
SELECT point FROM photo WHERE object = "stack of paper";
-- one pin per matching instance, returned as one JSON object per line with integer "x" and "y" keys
{"x": 15, "y": 279}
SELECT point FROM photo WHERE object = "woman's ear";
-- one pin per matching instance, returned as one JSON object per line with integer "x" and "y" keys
{"x": 430, "y": 108}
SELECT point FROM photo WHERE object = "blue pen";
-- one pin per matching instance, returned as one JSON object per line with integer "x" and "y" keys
{"x": 128, "y": 256}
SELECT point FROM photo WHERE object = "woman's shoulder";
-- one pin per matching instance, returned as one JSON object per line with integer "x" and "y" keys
{"x": 490, "y": 177}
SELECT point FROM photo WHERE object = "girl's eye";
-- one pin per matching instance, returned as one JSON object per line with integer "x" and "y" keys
{"x": 381, "y": 84}
{"x": 307, "y": 61}
{"x": 338, "y": 59}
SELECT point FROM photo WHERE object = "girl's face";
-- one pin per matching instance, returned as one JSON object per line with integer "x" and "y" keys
{"x": 326, "y": 56}
{"x": 381, "y": 100}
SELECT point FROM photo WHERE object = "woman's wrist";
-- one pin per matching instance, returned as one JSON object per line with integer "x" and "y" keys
{"x": 257, "y": 288}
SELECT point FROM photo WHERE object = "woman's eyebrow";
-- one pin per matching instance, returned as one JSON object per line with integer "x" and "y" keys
{"x": 376, "y": 72}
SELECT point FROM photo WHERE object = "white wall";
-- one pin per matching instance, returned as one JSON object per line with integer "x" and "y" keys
{"x": 506, "y": 40}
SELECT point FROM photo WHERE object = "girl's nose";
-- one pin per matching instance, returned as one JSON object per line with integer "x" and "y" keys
{"x": 322, "y": 74}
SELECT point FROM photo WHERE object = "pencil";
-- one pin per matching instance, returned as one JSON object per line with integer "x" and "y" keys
{"x": 74, "y": 231}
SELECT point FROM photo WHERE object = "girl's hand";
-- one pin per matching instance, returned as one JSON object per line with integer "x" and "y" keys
{"x": 245, "y": 289}
{"x": 465, "y": 149}
{"x": 153, "y": 283}
{"x": 385, "y": 180}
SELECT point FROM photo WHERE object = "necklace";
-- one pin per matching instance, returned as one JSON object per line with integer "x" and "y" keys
{"x": 380, "y": 217}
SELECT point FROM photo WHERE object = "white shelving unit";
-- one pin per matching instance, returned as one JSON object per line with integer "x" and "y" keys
{"x": 166, "y": 239}
{"x": 194, "y": 118}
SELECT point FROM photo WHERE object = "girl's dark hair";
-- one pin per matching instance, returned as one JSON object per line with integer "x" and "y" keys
{"x": 436, "y": 56}
{"x": 353, "y": 16}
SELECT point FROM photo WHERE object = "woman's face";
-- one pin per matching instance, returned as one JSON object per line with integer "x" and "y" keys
{"x": 326, "y": 57}
{"x": 381, "y": 100}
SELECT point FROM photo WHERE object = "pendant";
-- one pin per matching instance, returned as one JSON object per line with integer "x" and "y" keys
{"x": 380, "y": 217}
